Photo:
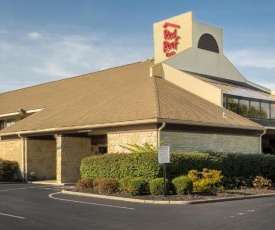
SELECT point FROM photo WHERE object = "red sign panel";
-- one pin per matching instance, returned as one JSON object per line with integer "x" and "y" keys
{"x": 170, "y": 38}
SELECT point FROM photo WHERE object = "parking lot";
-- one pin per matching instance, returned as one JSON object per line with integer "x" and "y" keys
{"x": 37, "y": 206}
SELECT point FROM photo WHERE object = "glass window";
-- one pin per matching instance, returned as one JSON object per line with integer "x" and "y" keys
{"x": 254, "y": 110}
{"x": 272, "y": 111}
{"x": 244, "y": 108}
{"x": 232, "y": 104}
{"x": 1, "y": 124}
{"x": 265, "y": 110}
{"x": 224, "y": 101}
{"x": 10, "y": 122}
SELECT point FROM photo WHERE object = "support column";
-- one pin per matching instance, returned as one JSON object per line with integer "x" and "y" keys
{"x": 69, "y": 153}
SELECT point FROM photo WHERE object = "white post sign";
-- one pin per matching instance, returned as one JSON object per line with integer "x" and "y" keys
{"x": 163, "y": 154}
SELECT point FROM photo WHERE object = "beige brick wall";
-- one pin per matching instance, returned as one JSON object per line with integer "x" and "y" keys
{"x": 182, "y": 141}
{"x": 119, "y": 139}
{"x": 41, "y": 158}
{"x": 11, "y": 150}
{"x": 70, "y": 152}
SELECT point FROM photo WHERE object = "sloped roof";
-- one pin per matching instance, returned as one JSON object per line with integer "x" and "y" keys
{"x": 241, "y": 89}
{"x": 125, "y": 93}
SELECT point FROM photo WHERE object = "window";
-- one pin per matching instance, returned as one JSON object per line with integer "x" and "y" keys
{"x": 10, "y": 122}
{"x": 254, "y": 110}
{"x": 272, "y": 111}
{"x": 249, "y": 108}
{"x": 232, "y": 104}
{"x": 244, "y": 108}
{"x": 1, "y": 124}
{"x": 265, "y": 110}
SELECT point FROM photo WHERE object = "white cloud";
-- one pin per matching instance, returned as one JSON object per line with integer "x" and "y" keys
{"x": 56, "y": 56}
{"x": 34, "y": 35}
{"x": 253, "y": 58}
{"x": 256, "y": 65}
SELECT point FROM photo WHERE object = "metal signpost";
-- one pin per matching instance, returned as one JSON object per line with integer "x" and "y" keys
{"x": 163, "y": 158}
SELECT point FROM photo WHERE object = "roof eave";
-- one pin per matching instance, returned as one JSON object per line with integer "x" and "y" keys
{"x": 208, "y": 124}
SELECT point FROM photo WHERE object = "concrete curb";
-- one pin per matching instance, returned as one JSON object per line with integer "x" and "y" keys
{"x": 168, "y": 201}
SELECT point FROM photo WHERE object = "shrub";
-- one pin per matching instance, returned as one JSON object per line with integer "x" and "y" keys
{"x": 136, "y": 186}
{"x": 137, "y": 149}
{"x": 207, "y": 180}
{"x": 145, "y": 165}
{"x": 156, "y": 186}
{"x": 106, "y": 186}
{"x": 8, "y": 170}
{"x": 119, "y": 166}
{"x": 124, "y": 184}
{"x": 85, "y": 183}
{"x": 237, "y": 182}
{"x": 182, "y": 185}
{"x": 261, "y": 182}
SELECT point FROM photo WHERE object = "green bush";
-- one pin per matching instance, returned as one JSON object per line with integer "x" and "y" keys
{"x": 207, "y": 180}
{"x": 85, "y": 183}
{"x": 8, "y": 170}
{"x": 137, "y": 149}
{"x": 124, "y": 184}
{"x": 261, "y": 182}
{"x": 145, "y": 165}
{"x": 136, "y": 186}
{"x": 182, "y": 185}
{"x": 119, "y": 166}
{"x": 156, "y": 186}
{"x": 237, "y": 182}
{"x": 106, "y": 186}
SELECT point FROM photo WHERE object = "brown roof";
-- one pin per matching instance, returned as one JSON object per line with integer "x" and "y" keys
{"x": 125, "y": 93}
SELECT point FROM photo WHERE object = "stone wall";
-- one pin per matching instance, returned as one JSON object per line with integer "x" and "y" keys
{"x": 41, "y": 158}
{"x": 70, "y": 152}
{"x": 11, "y": 150}
{"x": 118, "y": 139}
{"x": 183, "y": 141}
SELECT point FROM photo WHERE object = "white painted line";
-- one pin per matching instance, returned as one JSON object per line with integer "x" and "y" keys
{"x": 14, "y": 189}
{"x": 19, "y": 217}
{"x": 81, "y": 202}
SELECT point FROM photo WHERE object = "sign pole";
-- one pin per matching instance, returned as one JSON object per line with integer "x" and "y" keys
{"x": 163, "y": 158}
{"x": 164, "y": 176}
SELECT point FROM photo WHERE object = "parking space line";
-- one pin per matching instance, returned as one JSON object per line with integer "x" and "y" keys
{"x": 19, "y": 217}
{"x": 89, "y": 203}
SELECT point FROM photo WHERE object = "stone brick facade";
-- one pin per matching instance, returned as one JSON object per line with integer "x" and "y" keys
{"x": 70, "y": 152}
{"x": 183, "y": 141}
{"x": 11, "y": 150}
{"x": 118, "y": 139}
{"x": 41, "y": 158}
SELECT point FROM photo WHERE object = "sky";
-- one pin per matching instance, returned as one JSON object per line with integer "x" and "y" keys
{"x": 48, "y": 40}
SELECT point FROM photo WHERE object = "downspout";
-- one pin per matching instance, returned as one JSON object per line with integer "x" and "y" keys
{"x": 260, "y": 147}
{"x": 159, "y": 134}
{"x": 23, "y": 156}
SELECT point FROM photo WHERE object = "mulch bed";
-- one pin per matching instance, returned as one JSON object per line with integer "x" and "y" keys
{"x": 193, "y": 196}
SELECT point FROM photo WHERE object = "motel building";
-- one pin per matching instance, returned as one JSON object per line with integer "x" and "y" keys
{"x": 190, "y": 97}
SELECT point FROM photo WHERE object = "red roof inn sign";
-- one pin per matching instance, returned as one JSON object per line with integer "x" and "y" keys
{"x": 170, "y": 38}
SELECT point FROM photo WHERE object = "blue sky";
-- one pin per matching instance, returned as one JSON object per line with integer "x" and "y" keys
{"x": 47, "y": 40}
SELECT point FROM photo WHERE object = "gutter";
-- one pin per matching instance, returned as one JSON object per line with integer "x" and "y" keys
{"x": 137, "y": 122}
{"x": 159, "y": 132}
{"x": 84, "y": 127}
{"x": 208, "y": 124}
{"x": 260, "y": 141}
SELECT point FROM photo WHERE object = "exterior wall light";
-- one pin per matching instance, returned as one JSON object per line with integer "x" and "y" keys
{"x": 21, "y": 111}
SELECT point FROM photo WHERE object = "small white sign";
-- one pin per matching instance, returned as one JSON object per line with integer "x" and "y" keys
{"x": 163, "y": 154}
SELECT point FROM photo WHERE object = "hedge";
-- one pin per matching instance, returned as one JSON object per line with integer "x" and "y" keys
{"x": 8, "y": 169}
{"x": 146, "y": 165}
{"x": 118, "y": 166}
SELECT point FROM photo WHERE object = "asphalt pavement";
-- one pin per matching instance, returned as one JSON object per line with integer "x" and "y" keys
{"x": 34, "y": 206}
